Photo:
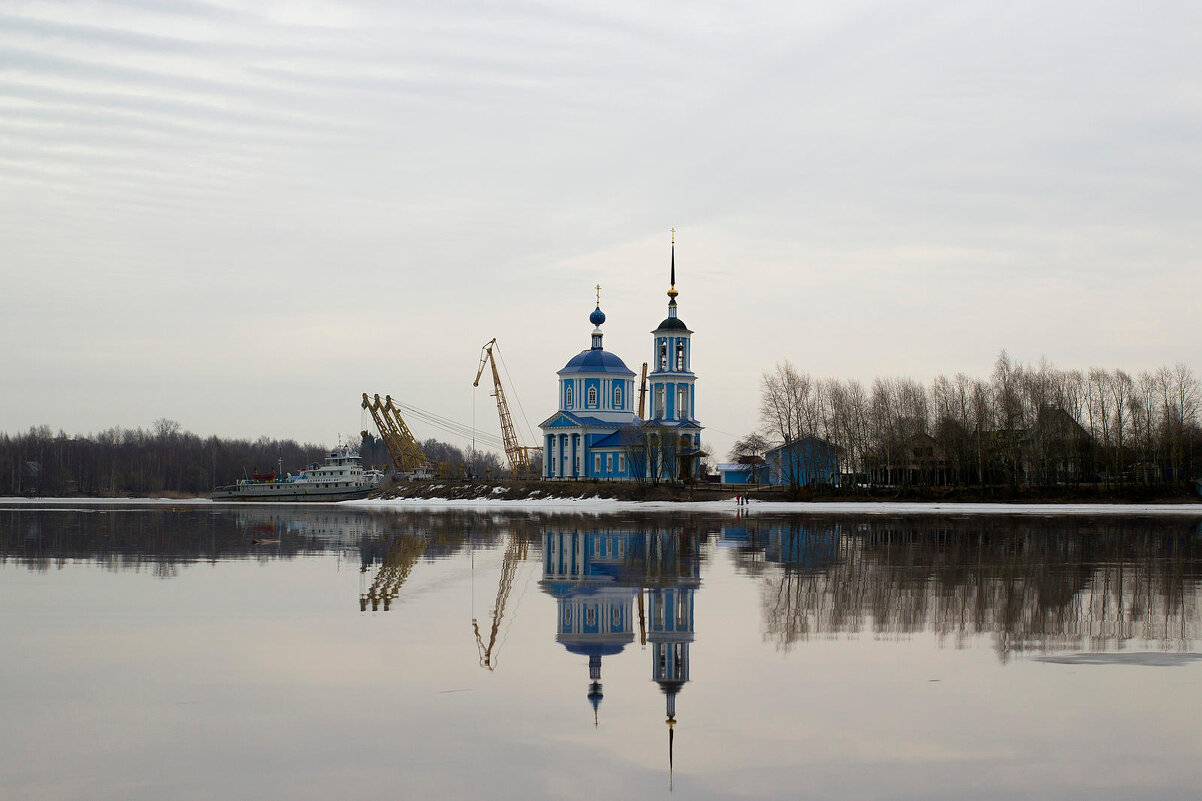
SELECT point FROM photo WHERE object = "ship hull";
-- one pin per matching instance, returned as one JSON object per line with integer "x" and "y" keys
{"x": 267, "y": 493}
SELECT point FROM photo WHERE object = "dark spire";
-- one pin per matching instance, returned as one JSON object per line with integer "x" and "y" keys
{"x": 672, "y": 293}
{"x": 671, "y": 732}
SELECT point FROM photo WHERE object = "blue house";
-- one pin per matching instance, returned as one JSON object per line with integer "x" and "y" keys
{"x": 802, "y": 462}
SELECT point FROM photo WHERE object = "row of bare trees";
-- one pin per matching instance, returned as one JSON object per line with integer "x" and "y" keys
{"x": 1026, "y": 424}
{"x": 121, "y": 461}
{"x": 167, "y": 459}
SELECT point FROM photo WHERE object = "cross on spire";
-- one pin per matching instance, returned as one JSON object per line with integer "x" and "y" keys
{"x": 598, "y": 288}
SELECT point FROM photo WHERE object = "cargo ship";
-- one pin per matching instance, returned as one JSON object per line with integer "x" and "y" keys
{"x": 340, "y": 478}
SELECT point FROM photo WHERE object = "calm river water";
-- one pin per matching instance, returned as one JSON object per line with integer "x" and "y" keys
{"x": 322, "y": 652}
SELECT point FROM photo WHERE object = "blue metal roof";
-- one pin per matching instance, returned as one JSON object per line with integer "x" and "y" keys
{"x": 672, "y": 324}
{"x": 574, "y": 420}
{"x": 614, "y": 440}
{"x": 596, "y": 361}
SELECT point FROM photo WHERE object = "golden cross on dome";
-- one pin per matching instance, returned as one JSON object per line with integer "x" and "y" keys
{"x": 673, "y": 236}
{"x": 598, "y": 288}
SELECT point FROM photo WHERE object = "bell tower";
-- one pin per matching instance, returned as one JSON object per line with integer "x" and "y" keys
{"x": 671, "y": 383}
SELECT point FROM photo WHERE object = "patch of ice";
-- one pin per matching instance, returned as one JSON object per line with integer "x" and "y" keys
{"x": 1146, "y": 659}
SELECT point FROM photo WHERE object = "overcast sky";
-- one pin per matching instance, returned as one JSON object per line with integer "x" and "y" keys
{"x": 243, "y": 215}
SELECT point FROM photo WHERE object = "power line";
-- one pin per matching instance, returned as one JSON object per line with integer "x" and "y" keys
{"x": 522, "y": 409}
{"x": 450, "y": 426}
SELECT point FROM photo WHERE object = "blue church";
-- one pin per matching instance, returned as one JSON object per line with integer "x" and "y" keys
{"x": 597, "y": 432}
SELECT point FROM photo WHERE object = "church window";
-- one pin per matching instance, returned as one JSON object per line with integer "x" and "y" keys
{"x": 592, "y": 397}
{"x": 596, "y": 463}
{"x": 618, "y": 397}
{"x": 663, "y": 355}
{"x": 682, "y": 402}
{"x": 682, "y": 611}
{"x": 679, "y": 355}
{"x": 590, "y": 616}
{"x": 616, "y": 619}
{"x": 621, "y": 463}
{"x": 659, "y": 401}
{"x": 609, "y": 463}
{"x": 568, "y": 396}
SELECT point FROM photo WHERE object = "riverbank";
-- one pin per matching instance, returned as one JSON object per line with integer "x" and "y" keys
{"x": 562, "y": 491}
{"x": 674, "y": 493}
{"x": 595, "y": 505}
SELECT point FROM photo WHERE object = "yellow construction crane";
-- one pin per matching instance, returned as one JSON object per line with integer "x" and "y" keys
{"x": 406, "y": 454}
{"x": 403, "y": 552}
{"x": 515, "y": 553}
{"x": 643, "y": 393}
{"x": 518, "y": 455}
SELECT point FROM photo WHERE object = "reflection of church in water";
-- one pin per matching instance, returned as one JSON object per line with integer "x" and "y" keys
{"x": 608, "y": 583}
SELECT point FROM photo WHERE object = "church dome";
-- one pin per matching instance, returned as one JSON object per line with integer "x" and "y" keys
{"x": 597, "y": 317}
{"x": 672, "y": 323}
{"x": 607, "y": 648}
{"x": 596, "y": 361}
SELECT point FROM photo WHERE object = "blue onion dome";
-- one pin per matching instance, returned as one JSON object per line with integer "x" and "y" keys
{"x": 596, "y": 361}
{"x": 597, "y": 317}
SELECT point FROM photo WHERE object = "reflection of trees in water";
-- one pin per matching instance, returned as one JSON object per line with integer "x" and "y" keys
{"x": 1030, "y": 584}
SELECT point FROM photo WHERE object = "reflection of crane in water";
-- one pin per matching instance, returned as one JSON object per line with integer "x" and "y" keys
{"x": 514, "y": 553}
{"x": 403, "y": 553}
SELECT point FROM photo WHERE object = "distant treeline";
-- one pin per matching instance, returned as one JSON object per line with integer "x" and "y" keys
{"x": 1023, "y": 426}
{"x": 124, "y": 461}
{"x": 165, "y": 460}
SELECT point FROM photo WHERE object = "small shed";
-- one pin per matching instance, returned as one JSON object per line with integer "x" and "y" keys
{"x": 746, "y": 470}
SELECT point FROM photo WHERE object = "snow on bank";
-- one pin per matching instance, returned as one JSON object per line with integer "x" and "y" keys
{"x": 606, "y": 505}
{"x": 609, "y": 505}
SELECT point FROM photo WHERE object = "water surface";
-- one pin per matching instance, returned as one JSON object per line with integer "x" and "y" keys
{"x": 318, "y": 652}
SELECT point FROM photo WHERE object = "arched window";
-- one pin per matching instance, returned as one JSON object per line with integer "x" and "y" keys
{"x": 568, "y": 397}
{"x": 663, "y": 355}
{"x": 682, "y": 402}
{"x": 679, "y": 355}
{"x": 618, "y": 396}
{"x": 592, "y": 397}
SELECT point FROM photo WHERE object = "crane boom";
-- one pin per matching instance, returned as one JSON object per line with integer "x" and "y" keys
{"x": 404, "y": 551}
{"x": 517, "y": 454}
{"x": 406, "y": 454}
{"x": 515, "y": 553}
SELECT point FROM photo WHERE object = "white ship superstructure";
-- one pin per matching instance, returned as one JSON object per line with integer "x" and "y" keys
{"x": 340, "y": 478}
